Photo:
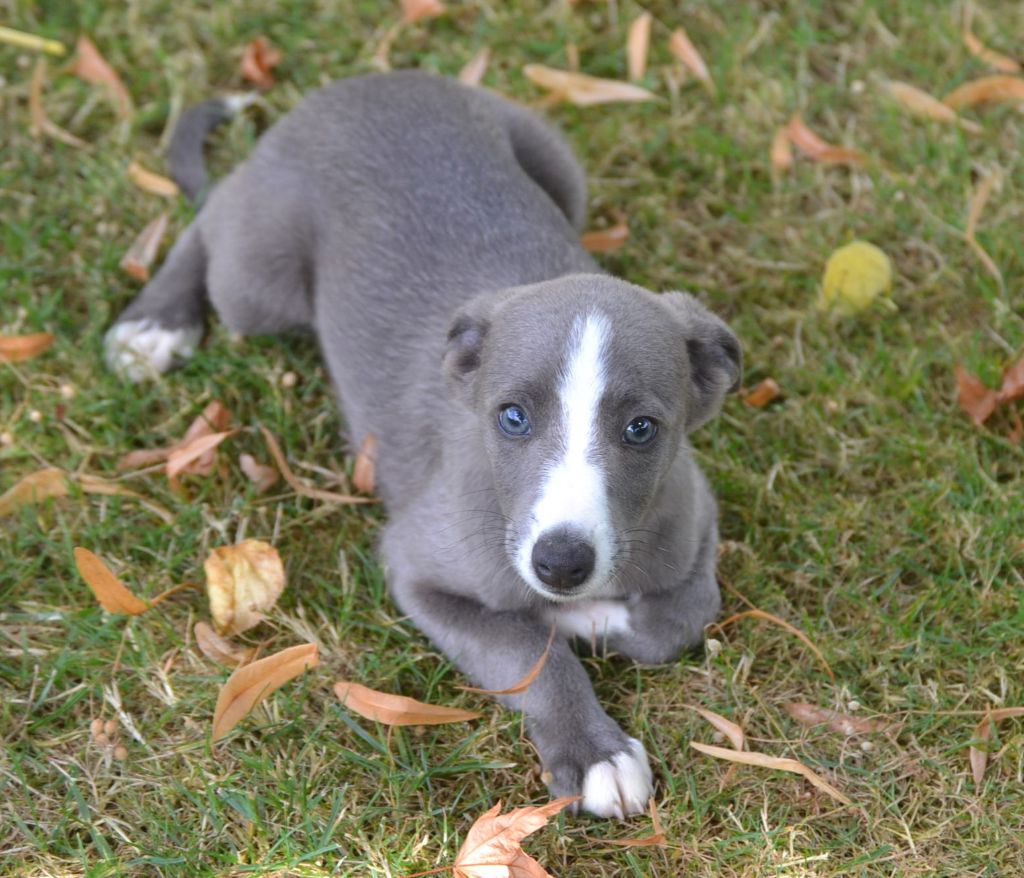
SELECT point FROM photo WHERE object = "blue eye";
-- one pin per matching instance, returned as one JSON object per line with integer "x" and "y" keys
{"x": 640, "y": 431}
{"x": 514, "y": 421}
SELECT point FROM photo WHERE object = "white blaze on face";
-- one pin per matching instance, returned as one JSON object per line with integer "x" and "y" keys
{"x": 573, "y": 494}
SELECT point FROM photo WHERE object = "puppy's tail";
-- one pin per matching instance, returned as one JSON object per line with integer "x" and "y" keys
{"x": 185, "y": 151}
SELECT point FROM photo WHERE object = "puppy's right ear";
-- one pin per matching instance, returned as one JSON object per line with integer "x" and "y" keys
{"x": 464, "y": 351}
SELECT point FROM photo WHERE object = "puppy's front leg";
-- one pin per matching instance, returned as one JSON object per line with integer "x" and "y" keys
{"x": 583, "y": 750}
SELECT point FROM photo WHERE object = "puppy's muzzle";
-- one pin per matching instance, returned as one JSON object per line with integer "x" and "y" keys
{"x": 562, "y": 559}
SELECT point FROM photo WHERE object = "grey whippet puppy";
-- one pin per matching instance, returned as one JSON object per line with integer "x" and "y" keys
{"x": 532, "y": 413}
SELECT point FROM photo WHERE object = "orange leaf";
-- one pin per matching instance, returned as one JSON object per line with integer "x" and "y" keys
{"x": 782, "y": 623}
{"x": 259, "y": 58}
{"x": 987, "y": 90}
{"x": 143, "y": 249}
{"x": 726, "y": 726}
{"x": 417, "y": 10}
{"x": 91, "y": 66}
{"x": 218, "y": 648}
{"x": 493, "y": 844}
{"x": 920, "y": 103}
{"x": 679, "y": 45}
{"x": 819, "y": 150}
{"x": 249, "y": 685}
{"x": 607, "y": 240}
{"x": 299, "y": 487}
{"x": 843, "y": 723}
{"x": 396, "y": 710}
{"x": 15, "y": 348}
{"x": 782, "y": 151}
{"x": 364, "y": 471}
{"x": 979, "y": 758}
{"x": 527, "y": 681}
{"x": 763, "y": 760}
{"x": 180, "y": 458}
{"x": 112, "y": 594}
{"x": 638, "y": 44}
{"x": 475, "y": 68}
{"x": 583, "y": 90}
{"x": 150, "y": 182}
{"x": 1013, "y": 382}
{"x": 762, "y": 393}
{"x": 262, "y": 476}
{"x": 975, "y": 398}
{"x": 995, "y": 60}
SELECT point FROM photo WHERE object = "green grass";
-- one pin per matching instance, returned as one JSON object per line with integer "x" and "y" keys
{"x": 864, "y": 508}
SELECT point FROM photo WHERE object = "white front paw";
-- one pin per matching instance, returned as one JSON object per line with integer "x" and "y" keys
{"x": 141, "y": 349}
{"x": 619, "y": 786}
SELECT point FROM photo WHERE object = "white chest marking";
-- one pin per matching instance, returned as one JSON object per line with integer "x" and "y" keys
{"x": 590, "y": 620}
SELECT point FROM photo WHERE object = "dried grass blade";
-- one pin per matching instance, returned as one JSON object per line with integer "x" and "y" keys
{"x": 396, "y": 710}
{"x": 527, "y": 681}
{"x": 979, "y": 198}
{"x": 995, "y": 60}
{"x": 726, "y": 726}
{"x": 763, "y": 760}
{"x": 142, "y": 252}
{"x": 299, "y": 487}
{"x": 983, "y": 732}
{"x": 111, "y": 593}
{"x": 638, "y": 45}
{"x": 782, "y": 623}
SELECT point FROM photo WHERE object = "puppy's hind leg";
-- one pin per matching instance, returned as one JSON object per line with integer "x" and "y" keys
{"x": 165, "y": 322}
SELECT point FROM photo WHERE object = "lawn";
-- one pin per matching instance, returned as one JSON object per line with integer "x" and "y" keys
{"x": 863, "y": 507}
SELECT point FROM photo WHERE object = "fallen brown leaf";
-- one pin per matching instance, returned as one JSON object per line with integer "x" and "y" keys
{"x": 843, "y": 723}
{"x": 364, "y": 470}
{"x": 475, "y": 68}
{"x": 638, "y": 44}
{"x": 762, "y": 393}
{"x": 987, "y": 90}
{"x": 39, "y": 122}
{"x": 396, "y": 710}
{"x": 299, "y": 487}
{"x": 726, "y": 726}
{"x": 250, "y": 684}
{"x": 782, "y": 623}
{"x": 52, "y": 482}
{"x": 607, "y": 240}
{"x": 150, "y": 182}
{"x": 220, "y": 649}
{"x": 182, "y": 457}
{"x": 983, "y": 732}
{"x": 213, "y": 419}
{"x": 975, "y": 398}
{"x": 781, "y": 152}
{"x": 1013, "y": 383}
{"x": 680, "y": 45}
{"x": 111, "y": 593}
{"x": 243, "y": 582}
{"x": 995, "y": 60}
{"x": 142, "y": 252}
{"x": 91, "y": 66}
{"x": 492, "y": 848}
{"x": 259, "y": 58}
{"x": 583, "y": 90}
{"x": 762, "y": 760}
{"x": 920, "y": 103}
{"x": 527, "y": 680}
{"x": 15, "y": 348}
{"x": 417, "y": 10}
{"x": 820, "y": 150}
{"x": 262, "y": 476}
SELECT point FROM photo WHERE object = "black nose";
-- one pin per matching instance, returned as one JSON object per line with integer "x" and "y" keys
{"x": 562, "y": 559}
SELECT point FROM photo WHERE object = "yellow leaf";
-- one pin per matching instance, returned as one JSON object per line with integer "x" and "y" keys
{"x": 249, "y": 685}
{"x": 583, "y": 90}
{"x": 243, "y": 582}
{"x": 31, "y": 42}
{"x": 855, "y": 275}
{"x": 111, "y": 593}
{"x": 396, "y": 710}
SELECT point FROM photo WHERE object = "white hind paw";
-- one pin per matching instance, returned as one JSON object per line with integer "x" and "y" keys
{"x": 139, "y": 349}
{"x": 619, "y": 786}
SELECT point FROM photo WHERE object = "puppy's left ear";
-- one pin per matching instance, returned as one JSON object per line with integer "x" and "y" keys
{"x": 715, "y": 358}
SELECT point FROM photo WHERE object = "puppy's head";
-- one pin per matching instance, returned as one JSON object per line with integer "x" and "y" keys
{"x": 584, "y": 389}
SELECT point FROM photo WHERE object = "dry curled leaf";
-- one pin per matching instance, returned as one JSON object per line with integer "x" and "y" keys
{"x": 782, "y": 623}
{"x": 922, "y": 104}
{"x": 52, "y": 482}
{"x": 843, "y": 723}
{"x": 983, "y": 732}
{"x": 243, "y": 582}
{"x": 763, "y": 760}
{"x": 527, "y": 680}
{"x": 396, "y": 710}
{"x": 298, "y": 486}
{"x": 417, "y": 10}
{"x": 215, "y": 418}
{"x": 607, "y": 240}
{"x": 493, "y": 845}
{"x": 638, "y": 44}
{"x": 112, "y": 594}
{"x": 995, "y": 60}
{"x": 148, "y": 181}
{"x": 259, "y": 58}
{"x": 816, "y": 149}
{"x": 262, "y": 476}
{"x": 250, "y": 684}
{"x": 581, "y": 89}
{"x": 91, "y": 66}
{"x": 762, "y": 393}
{"x": 974, "y": 397}
{"x": 987, "y": 90}
{"x": 181, "y": 458}
{"x": 16, "y": 348}
{"x": 726, "y": 726}
{"x": 220, "y": 649}
{"x": 364, "y": 470}
{"x": 475, "y": 68}
{"x": 142, "y": 252}
{"x": 680, "y": 45}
